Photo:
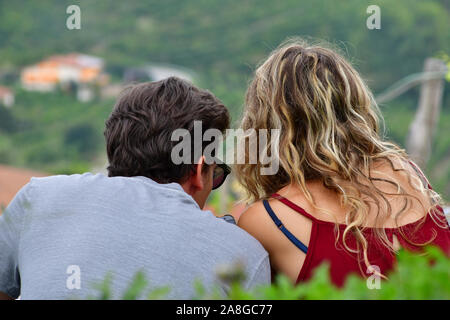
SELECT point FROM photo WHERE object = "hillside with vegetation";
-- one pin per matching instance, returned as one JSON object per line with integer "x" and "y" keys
{"x": 222, "y": 42}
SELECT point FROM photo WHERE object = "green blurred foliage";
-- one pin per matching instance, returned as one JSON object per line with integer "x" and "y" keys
{"x": 416, "y": 277}
{"x": 83, "y": 137}
{"x": 8, "y": 123}
{"x": 54, "y": 133}
{"x": 222, "y": 41}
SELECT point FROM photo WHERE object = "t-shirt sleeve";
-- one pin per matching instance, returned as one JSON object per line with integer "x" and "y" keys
{"x": 261, "y": 275}
{"x": 10, "y": 228}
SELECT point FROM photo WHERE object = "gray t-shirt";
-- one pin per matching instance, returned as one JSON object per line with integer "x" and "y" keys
{"x": 62, "y": 235}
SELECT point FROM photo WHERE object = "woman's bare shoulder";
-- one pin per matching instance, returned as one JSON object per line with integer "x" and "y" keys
{"x": 258, "y": 223}
{"x": 252, "y": 216}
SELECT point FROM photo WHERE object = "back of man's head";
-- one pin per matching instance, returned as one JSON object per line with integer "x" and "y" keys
{"x": 139, "y": 130}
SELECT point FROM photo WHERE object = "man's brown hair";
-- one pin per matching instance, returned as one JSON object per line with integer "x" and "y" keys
{"x": 138, "y": 131}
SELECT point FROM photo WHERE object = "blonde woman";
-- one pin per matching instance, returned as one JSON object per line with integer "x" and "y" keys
{"x": 342, "y": 194}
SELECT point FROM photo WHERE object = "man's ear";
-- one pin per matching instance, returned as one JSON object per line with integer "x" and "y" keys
{"x": 197, "y": 176}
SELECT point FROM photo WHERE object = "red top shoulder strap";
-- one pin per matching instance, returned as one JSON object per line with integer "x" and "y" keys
{"x": 293, "y": 206}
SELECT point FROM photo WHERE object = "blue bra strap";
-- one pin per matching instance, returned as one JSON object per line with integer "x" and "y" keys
{"x": 283, "y": 229}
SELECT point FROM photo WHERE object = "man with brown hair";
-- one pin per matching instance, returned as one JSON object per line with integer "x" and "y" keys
{"x": 62, "y": 234}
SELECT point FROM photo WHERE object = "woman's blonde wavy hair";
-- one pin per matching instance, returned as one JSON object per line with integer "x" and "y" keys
{"x": 330, "y": 131}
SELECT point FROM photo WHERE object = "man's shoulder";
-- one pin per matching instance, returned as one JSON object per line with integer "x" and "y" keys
{"x": 64, "y": 185}
{"x": 62, "y": 178}
{"x": 66, "y": 181}
{"x": 239, "y": 246}
{"x": 237, "y": 238}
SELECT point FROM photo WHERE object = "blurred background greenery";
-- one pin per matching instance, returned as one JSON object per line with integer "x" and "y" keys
{"x": 407, "y": 282}
{"x": 221, "y": 42}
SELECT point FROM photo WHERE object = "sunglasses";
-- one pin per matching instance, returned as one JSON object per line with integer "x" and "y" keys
{"x": 221, "y": 171}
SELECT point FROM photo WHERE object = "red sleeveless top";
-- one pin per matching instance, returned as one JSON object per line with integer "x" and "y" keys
{"x": 323, "y": 246}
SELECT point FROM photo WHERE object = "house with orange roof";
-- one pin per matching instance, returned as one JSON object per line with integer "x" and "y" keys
{"x": 64, "y": 70}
